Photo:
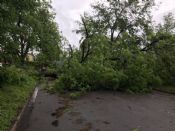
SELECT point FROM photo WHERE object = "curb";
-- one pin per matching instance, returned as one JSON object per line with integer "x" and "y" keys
{"x": 30, "y": 102}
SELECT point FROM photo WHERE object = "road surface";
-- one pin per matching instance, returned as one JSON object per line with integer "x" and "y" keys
{"x": 100, "y": 111}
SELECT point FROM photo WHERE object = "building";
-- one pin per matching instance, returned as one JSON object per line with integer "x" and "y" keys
{"x": 30, "y": 57}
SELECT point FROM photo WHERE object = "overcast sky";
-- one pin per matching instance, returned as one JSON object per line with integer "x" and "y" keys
{"x": 69, "y": 11}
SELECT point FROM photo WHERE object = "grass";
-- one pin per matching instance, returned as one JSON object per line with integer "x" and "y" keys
{"x": 12, "y": 99}
{"x": 76, "y": 95}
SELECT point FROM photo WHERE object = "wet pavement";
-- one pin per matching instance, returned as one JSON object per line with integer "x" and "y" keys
{"x": 100, "y": 111}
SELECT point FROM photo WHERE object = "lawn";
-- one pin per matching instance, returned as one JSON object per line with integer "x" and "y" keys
{"x": 12, "y": 99}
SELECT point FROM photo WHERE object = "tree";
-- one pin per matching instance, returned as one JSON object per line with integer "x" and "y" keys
{"x": 121, "y": 49}
{"x": 115, "y": 20}
{"x": 165, "y": 50}
{"x": 118, "y": 17}
{"x": 29, "y": 26}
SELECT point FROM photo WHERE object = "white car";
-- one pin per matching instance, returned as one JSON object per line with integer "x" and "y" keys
{"x": 0, "y": 64}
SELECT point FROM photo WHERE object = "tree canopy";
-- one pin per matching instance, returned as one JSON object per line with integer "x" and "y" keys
{"x": 122, "y": 48}
{"x": 27, "y": 26}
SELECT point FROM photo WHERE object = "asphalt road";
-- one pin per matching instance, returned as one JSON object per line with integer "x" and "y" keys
{"x": 101, "y": 111}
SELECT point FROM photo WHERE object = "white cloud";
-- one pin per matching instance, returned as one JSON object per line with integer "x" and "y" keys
{"x": 69, "y": 11}
{"x": 165, "y": 6}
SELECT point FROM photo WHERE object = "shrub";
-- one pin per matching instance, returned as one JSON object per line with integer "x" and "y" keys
{"x": 88, "y": 78}
{"x": 65, "y": 83}
{"x": 138, "y": 70}
{"x": 31, "y": 71}
{"x": 12, "y": 75}
{"x": 133, "y": 71}
{"x": 51, "y": 73}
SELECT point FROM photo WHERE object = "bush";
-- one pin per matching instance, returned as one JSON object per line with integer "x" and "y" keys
{"x": 12, "y": 75}
{"x": 131, "y": 70}
{"x": 138, "y": 70}
{"x": 133, "y": 73}
{"x": 31, "y": 71}
{"x": 89, "y": 77}
{"x": 138, "y": 76}
{"x": 165, "y": 62}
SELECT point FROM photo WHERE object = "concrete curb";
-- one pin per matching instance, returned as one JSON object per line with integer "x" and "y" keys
{"x": 30, "y": 102}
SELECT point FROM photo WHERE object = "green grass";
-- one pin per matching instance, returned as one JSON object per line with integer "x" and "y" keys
{"x": 12, "y": 99}
{"x": 76, "y": 95}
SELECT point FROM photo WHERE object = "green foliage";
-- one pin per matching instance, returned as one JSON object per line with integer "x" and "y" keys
{"x": 166, "y": 61}
{"x": 165, "y": 50}
{"x": 121, "y": 53}
{"x": 27, "y": 26}
{"x": 135, "y": 129}
{"x": 31, "y": 71}
{"x": 134, "y": 75}
{"x": 79, "y": 78}
{"x": 138, "y": 69}
{"x": 13, "y": 75}
{"x": 12, "y": 99}
{"x": 75, "y": 95}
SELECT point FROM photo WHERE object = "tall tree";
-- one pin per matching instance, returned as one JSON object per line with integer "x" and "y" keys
{"x": 116, "y": 20}
{"x": 28, "y": 26}
{"x": 120, "y": 16}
